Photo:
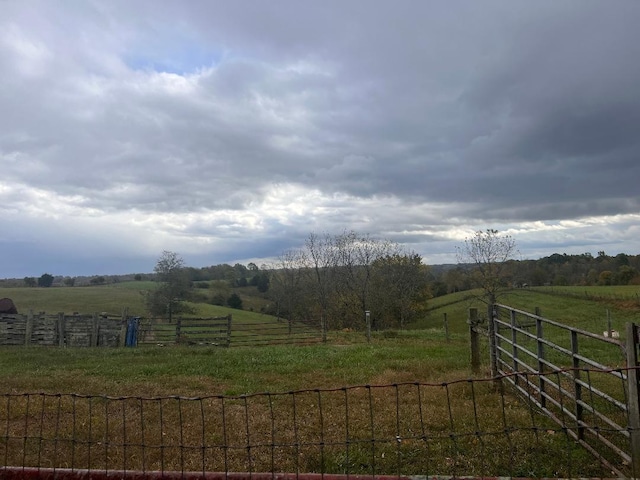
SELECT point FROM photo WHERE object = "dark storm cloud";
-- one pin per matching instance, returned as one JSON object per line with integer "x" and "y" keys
{"x": 242, "y": 126}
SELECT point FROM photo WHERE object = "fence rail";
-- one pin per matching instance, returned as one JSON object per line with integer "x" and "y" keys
{"x": 566, "y": 373}
{"x": 60, "y": 329}
{"x": 458, "y": 428}
{"x": 101, "y": 330}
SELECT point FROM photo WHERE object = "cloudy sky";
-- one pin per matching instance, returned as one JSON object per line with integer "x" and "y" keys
{"x": 228, "y": 130}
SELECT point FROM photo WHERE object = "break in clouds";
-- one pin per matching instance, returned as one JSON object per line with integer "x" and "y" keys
{"x": 228, "y": 131}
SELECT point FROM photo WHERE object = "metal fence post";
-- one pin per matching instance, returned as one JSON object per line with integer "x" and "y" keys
{"x": 577, "y": 386}
{"x": 541, "y": 366}
{"x": 514, "y": 344}
{"x": 633, "y": 402}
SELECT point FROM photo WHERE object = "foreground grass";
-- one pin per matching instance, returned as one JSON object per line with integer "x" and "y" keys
{"x": 311, "y": 421}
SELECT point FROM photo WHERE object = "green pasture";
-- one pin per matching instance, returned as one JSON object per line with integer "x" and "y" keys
{"x": 112, "y": 299}
{"x": 423, "y": 353}
{"x": 564, "y": 304}
{"x": 346, "y": 359}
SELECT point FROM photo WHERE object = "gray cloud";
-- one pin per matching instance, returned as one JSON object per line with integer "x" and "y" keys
{"x": 231, "y": 130}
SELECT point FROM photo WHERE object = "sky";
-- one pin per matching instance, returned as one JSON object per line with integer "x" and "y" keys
{"x": 230, "y": 130}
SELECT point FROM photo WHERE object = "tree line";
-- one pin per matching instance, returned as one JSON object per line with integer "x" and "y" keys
{"x": 333, "y": 280}
{"x": 557, "y": 269}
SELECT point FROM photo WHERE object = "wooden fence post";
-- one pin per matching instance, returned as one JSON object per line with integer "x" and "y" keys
{"x": 122, "y": 340}
{"x": 446, "y": 327}
{"x": 493, "y": 354}
{"x": 94, "y": 331}
{"x": 28, "y": 328}
{"x": 61, "y": 329}
{"x": 229, "y": 330}
{"x": 367, "y": 315}
{"x": 633, "y": 404}
{"x": 475, "y": 339}
{"x": 178, "y": 325}
{"x": 323, "y": 328}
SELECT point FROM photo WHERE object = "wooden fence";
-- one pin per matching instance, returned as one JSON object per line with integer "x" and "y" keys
{"x": 64, "y": 330}
{"x": 579, "y": 379}
{"x": 226, "y": 332}
{"x": 101, "y": 330}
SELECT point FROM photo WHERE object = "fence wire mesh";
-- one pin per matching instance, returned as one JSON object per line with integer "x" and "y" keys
{"x": 462, "y": 428}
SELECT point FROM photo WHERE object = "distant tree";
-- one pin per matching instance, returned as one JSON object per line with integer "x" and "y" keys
{"x": 401, "y": 280}
{"x": 234, "y": 301}
{"x": 488, "y": 252}
{"x": 605, "y": 277}
{"x": 97, "y": 281}
{"x": 137, "y": 277}
{"x": 321, "y": 262}
{"x": 30, "y": 282}
{"x": 252, "y": 267}
{"x": 45, "y": 280}
{"x": 261, "y": 281}
{"x": 69, "y": 281}
{"x": 242, "y": 282}
{"x": 625, "y": 274}
{"x": 286, "y": 284}
{"x": 170, "y": 296}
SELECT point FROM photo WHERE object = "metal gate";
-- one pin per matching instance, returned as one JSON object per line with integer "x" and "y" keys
{"x": 587, "y": 383}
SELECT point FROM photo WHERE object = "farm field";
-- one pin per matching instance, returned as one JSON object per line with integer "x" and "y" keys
{"x": 566, "y": 305}
{"x": 345, "y": 360}
{"x": 420, "y": 354}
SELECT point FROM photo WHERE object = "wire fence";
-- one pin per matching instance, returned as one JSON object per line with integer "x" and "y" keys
{"x": 475, "y": 427}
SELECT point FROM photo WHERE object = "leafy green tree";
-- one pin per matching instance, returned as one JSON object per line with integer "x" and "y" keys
{"x": 625, "y": 274}
{"x": 169, "y": 298}
{"x": 45, "y": 280}
{"x": 30, "y": 282}
{"x": 605, "y": 278}
{"x": 234, "y": 301}
{"x": 401, "y": 280}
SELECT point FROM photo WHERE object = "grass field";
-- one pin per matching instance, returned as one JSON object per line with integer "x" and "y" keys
{"x": 421, "y": 354}
{"x": 563, "y": 304}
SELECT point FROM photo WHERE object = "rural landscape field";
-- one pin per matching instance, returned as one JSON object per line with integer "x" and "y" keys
{"x": 420, "y": 352}
{"x": 430, "y": 351}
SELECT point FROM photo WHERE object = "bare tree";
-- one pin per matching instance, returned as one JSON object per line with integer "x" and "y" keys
{"x": 321, "y": 262}
{"x": 173, "y": 288}
{"x": 287, "y": 284}
{"x": 356, "y": 256}
{"x": 488, "y": 252}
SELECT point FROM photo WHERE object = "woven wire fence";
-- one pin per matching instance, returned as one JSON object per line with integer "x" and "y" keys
{"x": 462, "y": 428}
